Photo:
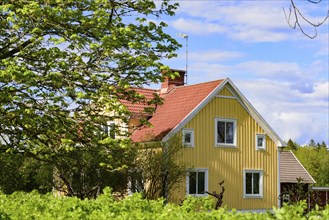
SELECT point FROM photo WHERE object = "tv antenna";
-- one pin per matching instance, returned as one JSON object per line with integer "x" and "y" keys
{"x": 186, "y": 47}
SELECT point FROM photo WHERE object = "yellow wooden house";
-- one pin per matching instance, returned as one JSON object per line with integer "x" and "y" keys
{"x": 225, "y": 138}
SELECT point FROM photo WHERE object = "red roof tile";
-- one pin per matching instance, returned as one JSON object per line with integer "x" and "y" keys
{"x": 138, "y": 107}
{"x": 178, "y": 103}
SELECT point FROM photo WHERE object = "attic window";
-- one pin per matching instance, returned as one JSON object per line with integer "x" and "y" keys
{"x": 188, "y": 137}
{"x": 260, "y": 141}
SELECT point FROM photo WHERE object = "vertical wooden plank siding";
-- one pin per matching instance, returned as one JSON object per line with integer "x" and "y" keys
{"x": 228, "y": 163}
{"x": 225, "y": 92}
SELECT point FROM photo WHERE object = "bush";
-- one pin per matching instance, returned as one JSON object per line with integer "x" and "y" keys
{"x": 21, "y": 205}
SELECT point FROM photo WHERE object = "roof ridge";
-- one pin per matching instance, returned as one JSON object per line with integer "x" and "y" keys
{"x": 218, "y": 80}
{"x": 145, "y": 88}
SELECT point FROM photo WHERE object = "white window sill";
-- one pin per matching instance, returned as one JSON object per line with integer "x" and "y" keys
{"x": 198, "y": 195}
{"x": 226, "y": 146}
{"x": 252, "y": 196}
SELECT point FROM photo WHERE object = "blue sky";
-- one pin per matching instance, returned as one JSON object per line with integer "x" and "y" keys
{"x": 282, "y": 73}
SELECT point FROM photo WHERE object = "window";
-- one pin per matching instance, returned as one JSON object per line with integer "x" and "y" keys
{"x": 225, "y": 132}
{"x": 260, "y": 141}
{"x": 253, "y": 183}
{"x": 197, "y": 182}
{"x": 188, "y": 137}
{"x": 109, "y": 129}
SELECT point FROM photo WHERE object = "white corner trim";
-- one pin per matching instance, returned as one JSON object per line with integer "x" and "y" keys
{"x": 302, "y": 166}
{"x": 279, "y": 176}
{"x": 190, "y": 115}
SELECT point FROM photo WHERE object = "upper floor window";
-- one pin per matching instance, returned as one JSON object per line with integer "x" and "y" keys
{"x": 197, "y": 182}
{"x": 260, "y": 141}
{"x": 225, "y": 132}
{"x": 253, "y": 183}
{"x": 188, "y": 137}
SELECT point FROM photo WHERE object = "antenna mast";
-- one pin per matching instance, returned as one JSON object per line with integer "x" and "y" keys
{"x": 186, "y": 47}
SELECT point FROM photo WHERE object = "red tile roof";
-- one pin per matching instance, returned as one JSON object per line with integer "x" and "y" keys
{"x": 138, "y": 107}
{"x": 291, "y": 169}
{"x": 178, "y": 103}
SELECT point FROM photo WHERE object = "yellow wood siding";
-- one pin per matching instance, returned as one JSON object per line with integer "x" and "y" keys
{"x": 228, "y": 163}
{"x": 225, "y": 92}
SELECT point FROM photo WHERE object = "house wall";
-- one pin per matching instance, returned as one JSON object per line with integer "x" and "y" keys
{"x": 226, "y": 163}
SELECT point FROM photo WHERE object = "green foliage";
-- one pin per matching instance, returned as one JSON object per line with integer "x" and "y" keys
{"x": 316, "y": 161}
{"x": 36, "y": 206}
{"x": 158, "y": 168}
{"x": 19, "y": 173}
{"x": 64, "y": 66}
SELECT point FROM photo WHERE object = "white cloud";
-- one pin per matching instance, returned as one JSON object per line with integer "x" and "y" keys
{"x": 290, "y": 113}
{"x": 214, "y": 55}
{"x": 247, "y": 21}
{"x": 321, "y": 91}
{"x": 193, "y": 26}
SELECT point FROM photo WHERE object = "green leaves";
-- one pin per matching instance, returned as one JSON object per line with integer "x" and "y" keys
{"x": 35, "y": 206}
{"x": 64, "y": 66}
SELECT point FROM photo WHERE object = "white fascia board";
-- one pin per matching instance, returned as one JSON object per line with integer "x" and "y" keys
{"x": 242, "y": 100}
{"x": 189, "y": 116}
{"x": 256, "y": 116}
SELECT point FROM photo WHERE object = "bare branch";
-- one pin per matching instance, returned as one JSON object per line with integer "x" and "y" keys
{"x": 294, "y": 19}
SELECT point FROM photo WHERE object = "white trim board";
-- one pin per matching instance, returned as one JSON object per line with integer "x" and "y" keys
{"x": 244, "y": 103}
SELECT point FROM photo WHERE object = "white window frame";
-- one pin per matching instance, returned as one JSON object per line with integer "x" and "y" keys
{"x": 107, "y": 128}
{"x": 234, "y": 144}
{"x": 188, "y": 131}
{"x": 260, "y": 194}
{"x": 263, "y": 147}
{"x": 206, "y": 176}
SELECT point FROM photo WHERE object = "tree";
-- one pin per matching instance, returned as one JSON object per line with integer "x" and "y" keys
{"x": 158, "y": 168}
{"x": 64, "y": 67}
{"x": 291, "y": 145}
{"x": 219, "y": 196}
{"x": 296, "y": 19}
{"x": 316, "y": 162}
{"x": 19, "y": 173}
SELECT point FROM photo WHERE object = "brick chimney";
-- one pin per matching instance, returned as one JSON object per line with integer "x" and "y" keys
{"x": 168, "y": 84}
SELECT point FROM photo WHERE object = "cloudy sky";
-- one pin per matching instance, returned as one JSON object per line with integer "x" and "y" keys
{"x": 282, "y": 73}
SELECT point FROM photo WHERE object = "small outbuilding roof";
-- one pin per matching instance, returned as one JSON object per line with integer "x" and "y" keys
{"x": 291, "y": 169}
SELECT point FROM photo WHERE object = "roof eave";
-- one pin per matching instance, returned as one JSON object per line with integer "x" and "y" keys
{"x": 189, "y": 116}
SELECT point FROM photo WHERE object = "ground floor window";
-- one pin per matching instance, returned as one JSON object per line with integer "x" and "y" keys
{"x": 253, "y": 183}
{"x": 197, "y": 182}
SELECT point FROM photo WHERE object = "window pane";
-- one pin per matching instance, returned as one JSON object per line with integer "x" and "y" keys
{"x": 229, "y": 132}
{"x": 260, "y": 141}
{"x": 105, "y": 129}
{"x": 112, "y": 130}
{"x": 187, "y": 138}
{"x": 220, "y": 132}
{"x": 256, "y": 178}
{"x": 192, "y": 183}
{"x": 248, "y": 183}
{"x": 201, "y": 180}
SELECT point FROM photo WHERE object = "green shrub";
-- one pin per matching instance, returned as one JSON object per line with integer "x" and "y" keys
{"x": 21, "y": 205}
